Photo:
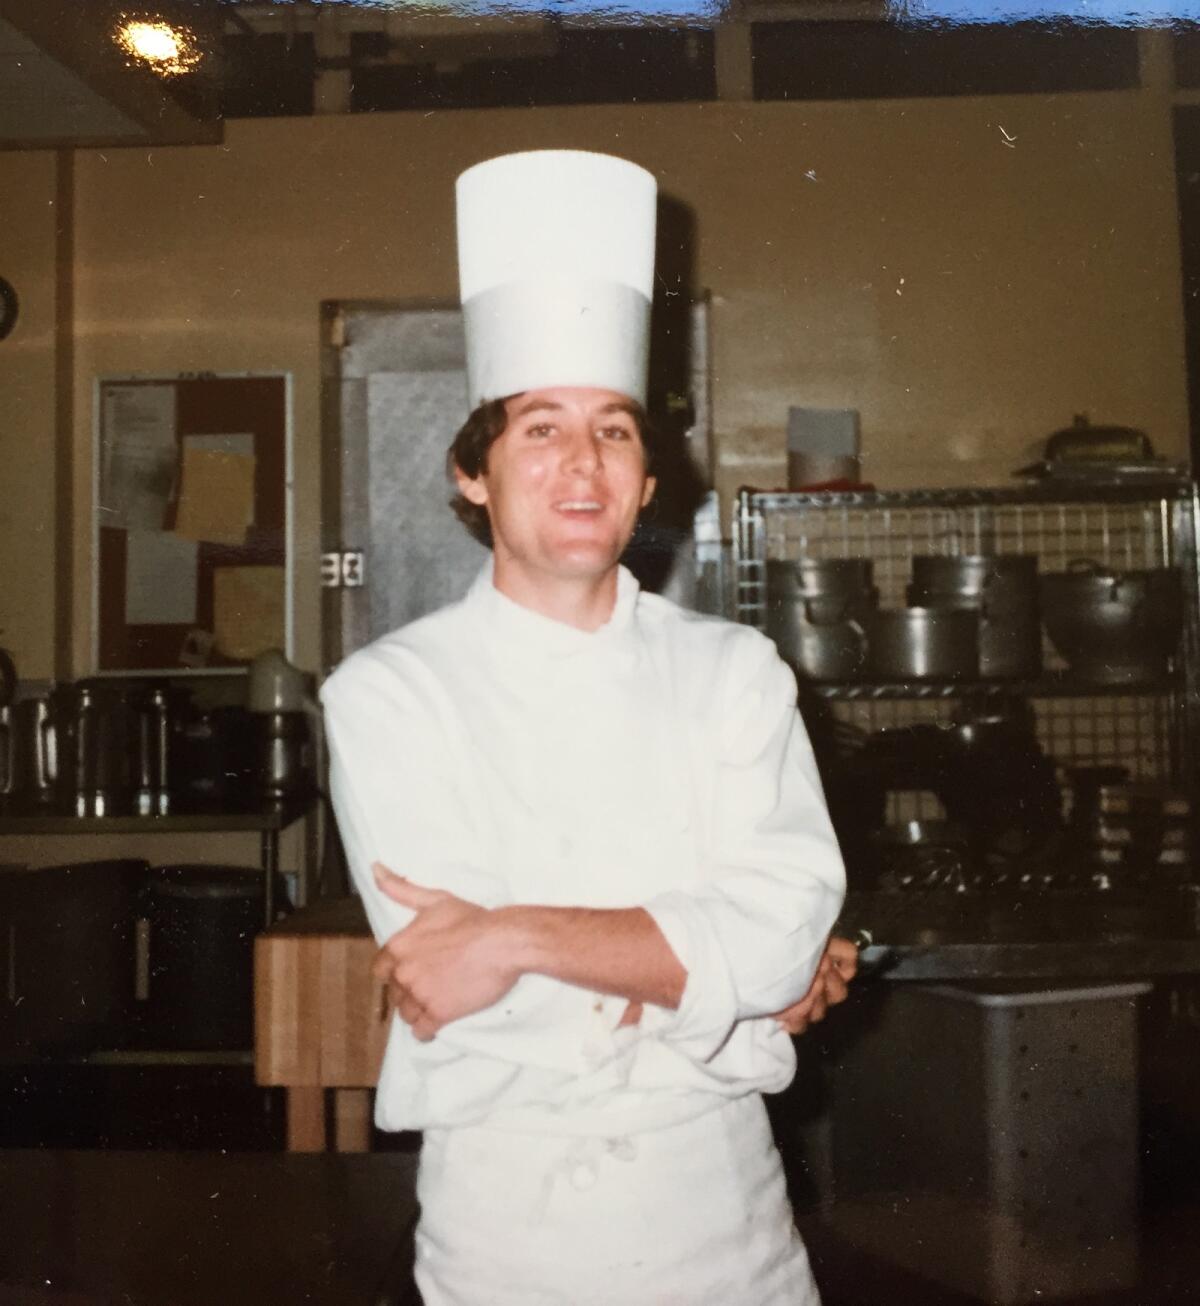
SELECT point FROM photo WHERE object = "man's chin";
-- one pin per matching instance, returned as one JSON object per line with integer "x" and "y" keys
{"x": 586, "y": 561}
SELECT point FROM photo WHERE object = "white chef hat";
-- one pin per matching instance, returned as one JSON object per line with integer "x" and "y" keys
{"x": 556, "y": 269}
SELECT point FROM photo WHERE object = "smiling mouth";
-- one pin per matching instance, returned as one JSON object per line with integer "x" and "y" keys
{"x": 578, "y": 506}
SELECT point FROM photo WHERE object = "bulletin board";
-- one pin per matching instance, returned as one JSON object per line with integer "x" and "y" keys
{"x": 192, "y": 509}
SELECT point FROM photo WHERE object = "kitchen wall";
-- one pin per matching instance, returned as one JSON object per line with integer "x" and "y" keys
{"x": 968, "y": 273}
{"x": 27, "y": 411}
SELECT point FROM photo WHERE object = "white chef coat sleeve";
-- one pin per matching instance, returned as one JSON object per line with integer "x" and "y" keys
{"x": 397, "y": 801}
{"x": 751, "y": 935}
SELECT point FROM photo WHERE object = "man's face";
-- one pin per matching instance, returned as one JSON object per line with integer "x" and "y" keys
{"x": 564, "y": 483}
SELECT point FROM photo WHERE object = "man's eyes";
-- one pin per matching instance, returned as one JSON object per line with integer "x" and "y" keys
{"x": 543, "y": 430}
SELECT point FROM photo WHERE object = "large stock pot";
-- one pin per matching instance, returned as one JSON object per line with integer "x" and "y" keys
{"x": 1113, "y": 627}
{"x": 816, "y": 614}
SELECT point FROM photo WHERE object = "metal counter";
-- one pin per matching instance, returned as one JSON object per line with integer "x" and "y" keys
{"x": 1051, "y": 936}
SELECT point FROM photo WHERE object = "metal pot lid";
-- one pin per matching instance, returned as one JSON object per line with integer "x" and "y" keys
{"x": 1082, "y": 440}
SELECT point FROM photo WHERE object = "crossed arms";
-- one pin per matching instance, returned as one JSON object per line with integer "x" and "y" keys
{"x": 456, "y": 958}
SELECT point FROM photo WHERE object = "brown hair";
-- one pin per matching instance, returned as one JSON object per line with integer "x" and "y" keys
{"x": 469, "y": 453}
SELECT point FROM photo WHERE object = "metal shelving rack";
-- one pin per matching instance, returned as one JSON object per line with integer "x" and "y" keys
{"x": 1130, "y": 525}
{"x": 269, "y": 820}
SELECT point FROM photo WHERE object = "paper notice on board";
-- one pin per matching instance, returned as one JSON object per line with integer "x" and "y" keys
{"x": 241, "y": 443}
{"x": 160, "y": 579}
{"x": 216, "y": 496}
{"x": 248, "y": 610}
{"x": 139, "y": 455}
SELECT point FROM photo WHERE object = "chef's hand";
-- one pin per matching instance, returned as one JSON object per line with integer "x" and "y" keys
{"x": 830, "y": 986}
{"x": 447, "y": 962}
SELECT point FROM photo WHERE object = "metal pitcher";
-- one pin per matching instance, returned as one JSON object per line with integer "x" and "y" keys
{"x": 33, "y": 750}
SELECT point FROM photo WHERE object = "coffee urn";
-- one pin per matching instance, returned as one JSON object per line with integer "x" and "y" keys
{"x": 280, "y": 699}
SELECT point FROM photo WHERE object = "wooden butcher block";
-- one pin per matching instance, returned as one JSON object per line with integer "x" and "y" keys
{"x": 321, "y": 1020}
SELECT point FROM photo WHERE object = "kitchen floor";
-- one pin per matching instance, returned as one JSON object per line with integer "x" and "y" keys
{"x": 1169, "y": 1270}
{"x": 161, "y": 1216}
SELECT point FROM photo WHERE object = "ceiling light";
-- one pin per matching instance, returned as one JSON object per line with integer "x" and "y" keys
{"x": 166, "y": 49}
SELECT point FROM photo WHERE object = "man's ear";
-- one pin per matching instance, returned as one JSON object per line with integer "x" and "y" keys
{"x": 648, "y": 490}
{"x": 471, "y": 488}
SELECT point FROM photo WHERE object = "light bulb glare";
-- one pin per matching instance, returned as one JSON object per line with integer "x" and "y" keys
{"x": 166, "y": 49}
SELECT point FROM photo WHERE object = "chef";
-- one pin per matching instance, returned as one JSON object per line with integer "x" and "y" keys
{"x": 586, "y": 824}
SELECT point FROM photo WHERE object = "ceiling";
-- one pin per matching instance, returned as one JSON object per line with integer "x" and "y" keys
{"x": 65, "y": 82}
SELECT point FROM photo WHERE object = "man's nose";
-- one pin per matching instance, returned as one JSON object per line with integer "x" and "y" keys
{"x": 583, "y": 453}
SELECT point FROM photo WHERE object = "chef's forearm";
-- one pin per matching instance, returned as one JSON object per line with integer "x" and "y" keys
{"x": 619, "y": 951}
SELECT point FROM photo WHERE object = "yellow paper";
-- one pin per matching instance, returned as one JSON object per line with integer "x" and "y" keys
{"x": 247, "y": 610}
{"x": 216, "y": 498}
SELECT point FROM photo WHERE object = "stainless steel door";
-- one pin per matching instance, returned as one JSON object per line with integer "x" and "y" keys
{"x": 395, "y": 393}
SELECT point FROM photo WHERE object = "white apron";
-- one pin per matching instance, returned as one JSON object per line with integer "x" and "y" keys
{"x": 695, "y": 1214}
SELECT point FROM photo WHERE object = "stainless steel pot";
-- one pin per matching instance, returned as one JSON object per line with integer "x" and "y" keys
{"x": 816, "y": 610}
{"x": 34, "y": 752}
{"x": 94, "y": 724}
{"x": 834, "y": 650}
{"x": 923, "y": 644}
{"x": 1113, "y": 627}
{"x": 999, "y": 578}
{"x": 1003, "y": 588}
{"x": 826, "y": 577}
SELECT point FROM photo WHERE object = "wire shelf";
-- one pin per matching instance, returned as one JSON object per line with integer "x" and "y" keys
{"x": 1146, "y": 728}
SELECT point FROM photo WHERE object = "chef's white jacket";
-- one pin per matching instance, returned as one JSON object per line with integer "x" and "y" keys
{"x": 659, "y": 761}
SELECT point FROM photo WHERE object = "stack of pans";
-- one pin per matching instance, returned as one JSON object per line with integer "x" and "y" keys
{"x": 968, "y": 617}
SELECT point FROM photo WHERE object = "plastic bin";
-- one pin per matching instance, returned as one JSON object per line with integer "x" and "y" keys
{"x": 201, "y": 925}
{"x": 69, "y": 955}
